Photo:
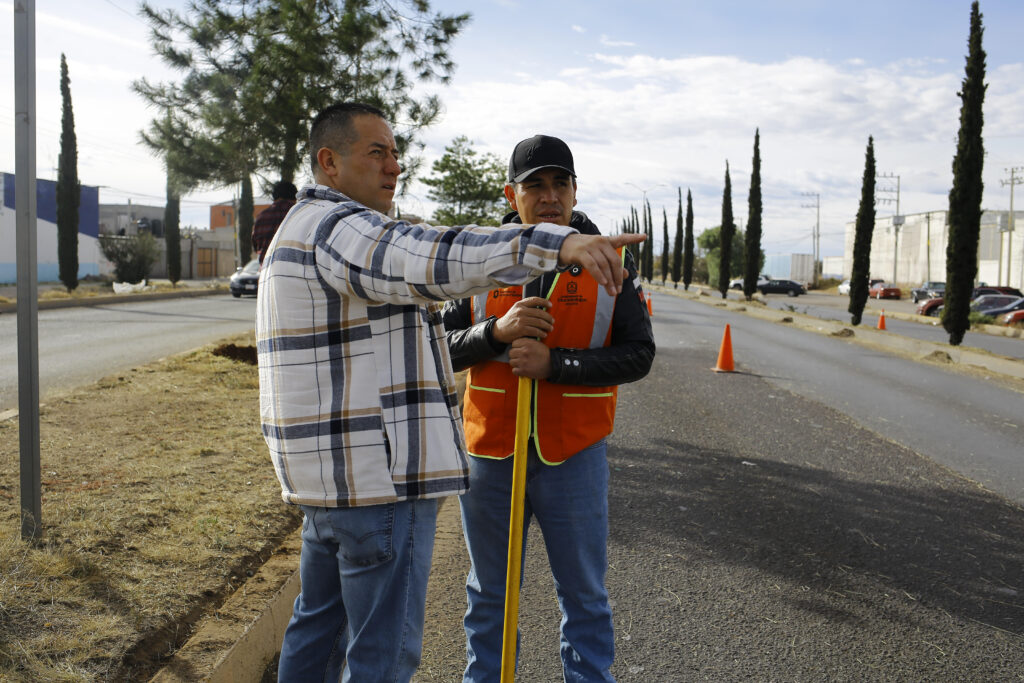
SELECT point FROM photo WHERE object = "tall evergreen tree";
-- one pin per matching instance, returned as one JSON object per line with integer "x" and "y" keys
{"x": 172, "y": 231}
{"x": 862, "y": 238}
{"x": 752, "y": 257}
{"x": 245, "y": 220}
{"x": 965, "y": 196}
{"x": 664, "y": 246}
{"x": 728, "y": 228}
{"x": 688, "y": 243}
{"x": 68, "y": 188}
{"x": 677, "y": 247}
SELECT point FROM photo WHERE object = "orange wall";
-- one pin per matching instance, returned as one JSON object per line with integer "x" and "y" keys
{"x": 223, "y": 215}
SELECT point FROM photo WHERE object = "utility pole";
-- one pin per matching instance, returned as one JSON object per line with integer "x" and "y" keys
{"x": 897, "y": 219}
{"x": 816, "y": 235}
{"x": 1015, "y": 179}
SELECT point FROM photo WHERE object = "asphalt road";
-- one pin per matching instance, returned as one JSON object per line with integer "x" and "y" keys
{"x": 759, "y": 533}
{"x": 974, "y": 426}
{"x": 84, "y": 343}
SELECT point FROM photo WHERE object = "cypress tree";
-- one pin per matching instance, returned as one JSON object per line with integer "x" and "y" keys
{"x": 753, "y": 237}
{"x": 68, "y": 188}
{"x": 172, "y": 232}
{"x": 245, "y": 220}
{"x": 725, "y": 249}
{"x": 965, "y": 196}
{"x": 688, "y": 243}
{"x": 677, "y": 248}
{"x": 862, "y": 238}
{"x": 664, "y": 246}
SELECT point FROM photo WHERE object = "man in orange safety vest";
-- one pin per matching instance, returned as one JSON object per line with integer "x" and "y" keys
{"x": 577, "y": 343}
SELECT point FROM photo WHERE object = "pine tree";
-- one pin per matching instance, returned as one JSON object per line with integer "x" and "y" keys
{"x": 862, "y": 238}
{"x": 172, "y": 232}
{"x": 965, "y": 196}
{"x": 752, "y": 258}
{"x": 468, "y": 186}
{"x": 677, "y": 247}
{"x": 688, "y": 243}
{"x": 68, "y": 188}
{"x": 728, "y": 228}
{"x": 664, "y": 246}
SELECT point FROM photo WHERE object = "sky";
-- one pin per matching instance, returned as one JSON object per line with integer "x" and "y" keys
{"x": 652, "y": 97}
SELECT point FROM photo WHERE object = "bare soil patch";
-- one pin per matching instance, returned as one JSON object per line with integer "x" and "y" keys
{"x": 158, "y": 500}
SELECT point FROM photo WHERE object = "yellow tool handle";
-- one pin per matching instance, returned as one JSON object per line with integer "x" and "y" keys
{"x": 515, "y": 532}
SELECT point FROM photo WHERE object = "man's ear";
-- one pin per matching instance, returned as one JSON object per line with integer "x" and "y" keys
{"x": 327, "y": 160}
{"x": 510, "y": 195}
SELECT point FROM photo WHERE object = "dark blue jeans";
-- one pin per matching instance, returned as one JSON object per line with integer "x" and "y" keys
{"x": 570, "y": 502}
{"x": 364, "y": 585}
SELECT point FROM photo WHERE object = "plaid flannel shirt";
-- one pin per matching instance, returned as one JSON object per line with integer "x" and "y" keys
{"x": 357, "y": 394}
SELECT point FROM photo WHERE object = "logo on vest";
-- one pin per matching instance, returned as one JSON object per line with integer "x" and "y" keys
{"x": 507, "y": 292}
{"x": 572, "y": 287}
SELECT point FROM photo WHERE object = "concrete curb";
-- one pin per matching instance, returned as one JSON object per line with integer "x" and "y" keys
{"x": 237, "y": 643}
{"x": 46, "y": 304}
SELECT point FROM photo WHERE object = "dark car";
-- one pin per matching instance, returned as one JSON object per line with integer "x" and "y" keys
{"x": 1017, "y": 305}
{"x": 987, "y": 302}
{"x": 788, "y": 287}
{"x": 928, "y": 290}
{"x": 245, "y": 279}
{"x": 932, "y": 307}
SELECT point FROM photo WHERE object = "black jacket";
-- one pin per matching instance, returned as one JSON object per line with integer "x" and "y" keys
{"x": 627, "y": 359}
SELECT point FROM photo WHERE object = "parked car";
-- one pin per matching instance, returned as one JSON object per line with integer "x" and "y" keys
{"x": 844, "y": 288}
{"x": 928, "y": 290}
{"x": 738, "y": 282}
{"x": 987, "y": 302}
{"x": 884, "y": 290}
{"x": 244, "y": 280}
{"x": 1013, "y": 318}
{"x": 933, "y": 307}
{"x": 1017, "y": 305}
{"x": 788, "y": 287}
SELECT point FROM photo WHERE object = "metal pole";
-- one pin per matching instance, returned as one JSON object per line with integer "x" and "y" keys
{"x": 25, "y": 248}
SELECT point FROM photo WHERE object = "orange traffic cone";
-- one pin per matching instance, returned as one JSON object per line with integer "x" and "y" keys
{"x": 725, "y": 363}
{"x": 881, "y": 320}
{"x": 650, "y": 306}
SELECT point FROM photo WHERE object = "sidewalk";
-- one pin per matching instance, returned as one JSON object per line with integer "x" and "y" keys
{"x": 95, "y": 293}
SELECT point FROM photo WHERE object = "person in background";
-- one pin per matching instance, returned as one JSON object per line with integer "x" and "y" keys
{"x": 265, "y": 227}
{"x": 357, "y": 398}
{"x": 577, "y": 344}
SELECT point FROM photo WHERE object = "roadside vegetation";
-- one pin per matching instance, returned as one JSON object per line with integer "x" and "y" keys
{"x": 158, "y": 500}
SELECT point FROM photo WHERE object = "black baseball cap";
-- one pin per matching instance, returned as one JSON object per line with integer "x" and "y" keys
{"x": 540, "y": 151}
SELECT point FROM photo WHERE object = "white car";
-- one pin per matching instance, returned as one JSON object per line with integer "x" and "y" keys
{"x": 762, "y": 279}
{"x": 844, "y": 288}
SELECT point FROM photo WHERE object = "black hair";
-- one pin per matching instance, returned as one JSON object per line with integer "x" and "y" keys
{"x": 284, "y": 190}
{"x": 332, "y": 127}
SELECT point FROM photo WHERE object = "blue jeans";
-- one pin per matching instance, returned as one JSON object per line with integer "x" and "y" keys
{"x": 570, "y": 502}
{"x": 364, "y": 585}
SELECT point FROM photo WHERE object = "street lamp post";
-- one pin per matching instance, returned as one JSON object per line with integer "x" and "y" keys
{"x": 816, "y": 237}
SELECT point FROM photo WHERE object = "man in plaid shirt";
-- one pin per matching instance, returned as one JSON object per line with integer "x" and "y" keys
{"x": 357, "y": 393}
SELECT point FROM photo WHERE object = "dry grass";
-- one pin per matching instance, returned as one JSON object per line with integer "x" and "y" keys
{"x": 158, "y": 499}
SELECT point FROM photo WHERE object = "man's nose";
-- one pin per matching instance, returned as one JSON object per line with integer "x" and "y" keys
{"x": 393, "y": 166}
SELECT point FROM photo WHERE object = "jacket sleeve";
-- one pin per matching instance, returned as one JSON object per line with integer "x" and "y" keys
{"x": 468, "y": 344}
{"x": 631, "y": 353}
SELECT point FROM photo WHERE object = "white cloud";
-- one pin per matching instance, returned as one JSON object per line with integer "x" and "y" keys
{"x": 646, "y": 120}
{"x": 608, "y": 42}
{"x": 578, "y": 29}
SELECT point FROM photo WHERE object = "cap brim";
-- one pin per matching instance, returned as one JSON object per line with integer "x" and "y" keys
{"x": 526, "y": 174}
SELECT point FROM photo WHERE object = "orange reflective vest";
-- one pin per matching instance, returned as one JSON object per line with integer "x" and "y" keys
{"x": 565, "y": 418}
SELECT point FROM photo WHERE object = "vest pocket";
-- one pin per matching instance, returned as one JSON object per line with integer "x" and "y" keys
{"x": 489, "y": 421}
